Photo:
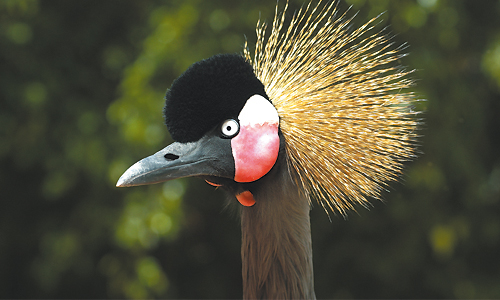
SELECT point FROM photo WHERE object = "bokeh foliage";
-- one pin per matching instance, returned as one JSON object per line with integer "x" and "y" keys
{"x": 81, "y": 87}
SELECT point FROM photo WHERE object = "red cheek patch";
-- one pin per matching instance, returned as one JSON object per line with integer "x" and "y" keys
{"x": 255, "y": 150}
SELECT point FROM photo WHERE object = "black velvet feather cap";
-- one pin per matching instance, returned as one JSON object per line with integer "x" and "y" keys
{"x": 207, "y": 93}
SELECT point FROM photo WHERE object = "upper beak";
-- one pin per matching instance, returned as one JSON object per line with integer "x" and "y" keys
{"x": 210, "y": 156}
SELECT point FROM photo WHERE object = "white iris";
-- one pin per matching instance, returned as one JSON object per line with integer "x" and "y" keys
{"x": 230, "y": 128}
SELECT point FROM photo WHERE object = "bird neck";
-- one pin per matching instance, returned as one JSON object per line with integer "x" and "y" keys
{"x": 276, "y": 242}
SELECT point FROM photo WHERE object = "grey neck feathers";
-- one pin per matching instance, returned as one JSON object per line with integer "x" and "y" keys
{"x": 276, "y": 242}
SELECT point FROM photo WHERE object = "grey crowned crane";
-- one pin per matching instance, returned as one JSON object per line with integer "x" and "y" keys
{"x": 320, "y": 111}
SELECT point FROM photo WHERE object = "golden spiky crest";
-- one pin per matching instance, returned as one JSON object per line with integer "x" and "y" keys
{"x": 341, "y": 96}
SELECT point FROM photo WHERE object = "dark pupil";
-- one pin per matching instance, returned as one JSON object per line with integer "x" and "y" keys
{"x": 228, "y": 128}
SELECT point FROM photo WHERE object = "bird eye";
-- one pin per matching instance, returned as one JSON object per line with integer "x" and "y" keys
{"x": 230, "y": 128}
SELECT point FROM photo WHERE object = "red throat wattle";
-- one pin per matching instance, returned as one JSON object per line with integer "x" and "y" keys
{"x": 246, "y": 198}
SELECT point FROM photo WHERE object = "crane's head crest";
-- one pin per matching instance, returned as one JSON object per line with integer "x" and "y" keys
{"x": 207, "y": 93}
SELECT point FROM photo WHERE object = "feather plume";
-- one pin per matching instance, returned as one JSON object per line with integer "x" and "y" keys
{"x": 343, "y": 103}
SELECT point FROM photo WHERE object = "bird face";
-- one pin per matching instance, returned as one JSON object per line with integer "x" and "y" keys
{"x": 226, "y": 129}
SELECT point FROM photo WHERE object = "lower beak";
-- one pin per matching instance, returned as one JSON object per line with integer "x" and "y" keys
{"x": 209, "y": 156}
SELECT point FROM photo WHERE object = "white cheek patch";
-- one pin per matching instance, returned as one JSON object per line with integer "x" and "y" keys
{"x": 258, "y": 111}
{"x": 256, "y": 147}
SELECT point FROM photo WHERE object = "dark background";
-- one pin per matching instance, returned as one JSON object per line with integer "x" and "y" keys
{"x": 81, "y": 88}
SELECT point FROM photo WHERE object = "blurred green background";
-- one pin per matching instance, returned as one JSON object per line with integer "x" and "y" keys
{"x": 81, "y": 90}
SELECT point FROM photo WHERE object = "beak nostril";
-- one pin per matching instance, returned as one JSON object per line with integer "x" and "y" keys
{"x": 170, "y": 156}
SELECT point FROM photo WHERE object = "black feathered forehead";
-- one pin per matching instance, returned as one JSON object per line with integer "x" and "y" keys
{"x": 207, "y": 93}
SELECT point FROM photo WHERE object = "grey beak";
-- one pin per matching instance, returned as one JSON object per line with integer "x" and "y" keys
{"x": 210, "y": 156}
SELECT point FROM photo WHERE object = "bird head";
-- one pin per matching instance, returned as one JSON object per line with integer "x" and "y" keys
{"x": 224, "y": 126}
{"x": 328, "y": 100}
